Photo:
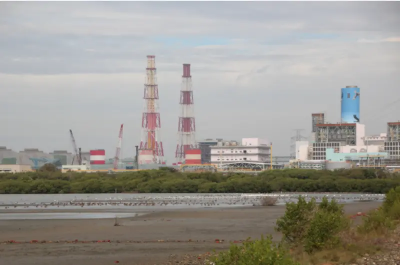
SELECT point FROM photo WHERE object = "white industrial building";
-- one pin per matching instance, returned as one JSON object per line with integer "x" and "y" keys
{"x": 254, "y": 150}
{"x": 67, "y": 168}
{"x": 14, "y": 168}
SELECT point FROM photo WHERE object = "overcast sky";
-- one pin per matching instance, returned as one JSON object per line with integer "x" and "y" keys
{"x": 259, "y": 69}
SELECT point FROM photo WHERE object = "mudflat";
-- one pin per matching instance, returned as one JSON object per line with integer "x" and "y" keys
{"x": 147, "y": 235}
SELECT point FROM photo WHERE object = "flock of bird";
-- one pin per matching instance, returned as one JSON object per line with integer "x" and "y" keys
{"x": 186, "y": 201}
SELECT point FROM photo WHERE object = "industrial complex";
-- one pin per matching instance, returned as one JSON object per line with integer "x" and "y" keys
{"x": 343, "y": 144}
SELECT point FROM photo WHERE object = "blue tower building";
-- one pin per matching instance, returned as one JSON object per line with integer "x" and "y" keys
{"x": 350, "y": 104}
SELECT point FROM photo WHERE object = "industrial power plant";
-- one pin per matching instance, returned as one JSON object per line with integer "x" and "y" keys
{"x": 343, "y": 144}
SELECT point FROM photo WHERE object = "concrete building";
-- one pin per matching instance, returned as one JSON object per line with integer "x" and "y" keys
{"x": 8, "y": 156}
{"x": 14, "y": 168}
{"x": 344, "y": 133}
{"x": 205, "y": 147}
{"x": 392, "y": 145}
{"x": 318, "y": 151}
{"x": 254, "y": 150}
{"x": 302, "y": 150}
{"x": 63, "y": 156}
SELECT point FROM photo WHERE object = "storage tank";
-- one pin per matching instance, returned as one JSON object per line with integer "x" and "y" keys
{"x": 350, "y": 104}
{"x": 193, "y": 157}
{"x": 97, "y": 157}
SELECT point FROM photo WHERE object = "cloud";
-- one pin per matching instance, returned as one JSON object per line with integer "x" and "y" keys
{"x": 391, "y": 39}
{"x": 258, "y": 68}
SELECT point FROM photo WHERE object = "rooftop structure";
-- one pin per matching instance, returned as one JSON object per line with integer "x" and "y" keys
{"x": 375, "y": 139}
{"x": 317, "y": 118}
{"x": 393, "y": 131}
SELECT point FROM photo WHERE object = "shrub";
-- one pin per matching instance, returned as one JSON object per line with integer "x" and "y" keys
{"x": 257, "y": 252}
{"x": 331, "y": 206}
{"x": 311, "y": 227}
{"x": 394, "y": 211}
{"x": 323, "y": 231}
{"x": 268, "y": 201}
{"x": 391, "y": 205}
{"x": 293, "y": 225}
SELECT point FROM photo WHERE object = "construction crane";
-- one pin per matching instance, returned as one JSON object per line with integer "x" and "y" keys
{"x": 77, "y": 154}
{"x": 118, "y": 151}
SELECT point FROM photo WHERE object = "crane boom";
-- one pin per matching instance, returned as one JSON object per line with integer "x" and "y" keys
{"x": 75, "y": 148}
{"x": 118, "y": 151}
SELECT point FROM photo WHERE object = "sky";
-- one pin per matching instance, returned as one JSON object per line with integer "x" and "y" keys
{"x": 259, "y": 69}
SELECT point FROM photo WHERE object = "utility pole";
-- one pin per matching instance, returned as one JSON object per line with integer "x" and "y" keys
{"x": 136, "y": 158}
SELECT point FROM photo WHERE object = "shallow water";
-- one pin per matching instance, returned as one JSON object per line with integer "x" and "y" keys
{"x": 63, "y": 216}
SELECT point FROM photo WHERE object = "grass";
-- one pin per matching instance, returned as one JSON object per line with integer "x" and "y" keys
{"x": 354, "y": 246}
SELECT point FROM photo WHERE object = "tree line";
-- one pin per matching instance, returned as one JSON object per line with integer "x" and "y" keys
{"x": 167, "y": 180}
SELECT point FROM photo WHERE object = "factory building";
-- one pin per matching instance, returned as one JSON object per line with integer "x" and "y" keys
{"x": 254, "y": 150}
{"x": 8, "y": 156}
{"x": 36, "y": 158}
{"x": 392, "y": 145}
{"x": 205, "y": 148}
{"x": 317, "y": 118}
{"x": 344, "y": 133}
{"x": 4, "y": 168}
{"x": 29, "y": 156}
{"x": 345, "y": 144}
{"x": 63, "y": 156}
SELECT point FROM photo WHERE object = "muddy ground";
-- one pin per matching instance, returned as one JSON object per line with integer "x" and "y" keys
{"x": 202, "y": 227}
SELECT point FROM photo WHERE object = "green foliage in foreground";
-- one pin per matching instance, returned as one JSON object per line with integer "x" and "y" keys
{"x": 384, "y": 219}
{"x": 258, "y": 252}
{"x": 47, "y": 180}
{"x": 311, "y": 228}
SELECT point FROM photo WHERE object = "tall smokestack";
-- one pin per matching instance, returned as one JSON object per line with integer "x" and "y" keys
{"x": 151, "y": 148}
{"x": 186, "y": 124}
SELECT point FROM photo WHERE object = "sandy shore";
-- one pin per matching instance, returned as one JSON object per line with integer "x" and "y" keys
{"x": 202, "y": 226}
